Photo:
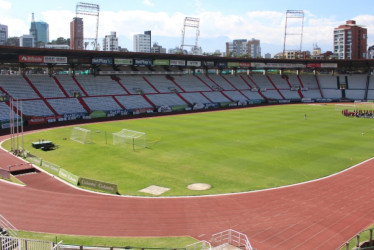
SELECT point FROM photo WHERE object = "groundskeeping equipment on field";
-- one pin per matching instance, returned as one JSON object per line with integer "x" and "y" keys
{"x": 81, "y": 135}
{"x": 130, "y": 137}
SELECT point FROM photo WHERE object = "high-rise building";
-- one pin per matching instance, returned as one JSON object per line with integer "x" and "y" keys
{"x": 254, "y": 48}
{"x": 142, "y": 42}
{"x": 158, "y": 49}
{"x": 350, "y": 41}
{"x": 110, "y": 42}
{"x": 371, "y": 52}
{"x": 26, "y": 41}
{"x": 237, "y": 47}
{"x": 39, "y": 30}
{"x": 3, "y": 33}
{"x": 242, "y": 47}
{"x": 76, "y": 34}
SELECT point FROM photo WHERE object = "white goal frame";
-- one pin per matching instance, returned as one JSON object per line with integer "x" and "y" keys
{"x": 355, "y": 106}
{"x": 81, "y": 135}
{"x": 131, "y": 137}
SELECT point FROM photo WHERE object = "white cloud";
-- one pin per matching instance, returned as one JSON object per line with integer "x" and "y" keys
{"x": 59, "y": 22}
{"x": 267, "y": 26}
{"x": 5, "y": 5}
{"x": 367, "y": 21}
{"x": 148, "y": 2}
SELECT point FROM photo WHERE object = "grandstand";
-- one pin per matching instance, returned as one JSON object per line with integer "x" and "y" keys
{"x": 137, "y": 89}
{"x": 58, "y": 96}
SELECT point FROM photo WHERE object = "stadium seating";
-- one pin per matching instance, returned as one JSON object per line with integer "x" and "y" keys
{"x": 218, "y": 80}
{"x": 191, "y": 83}
{"x": 35, "y": 108}
{"x": 4, "y": 112}
{"x": 104, "y": 103}
{"x": 17, "y": 87}
{"x": 46, "y": 86}
{"x": 135, "y": 83}
{"x": 42, "y": 95}
{"x": 166, "y": 100}
{"x": 100, "y": 85}
{"x": 66, "y": 105}
{"x": 163, "y": 85}
{"x": 194, "y": 98}
{"x": 69, "y": 85}
{"x": 252, "y": 95}
{"x": 262, "y": 82}
{"x": 235, "y": 95}
{"x": 279, "y": 82}
{"x": 216, "y": 97}
{"x": 237, "y": 81}
{"x": 133, "y": 102}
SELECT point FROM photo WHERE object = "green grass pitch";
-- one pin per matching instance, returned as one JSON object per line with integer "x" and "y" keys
{"x": 233, "y": 150}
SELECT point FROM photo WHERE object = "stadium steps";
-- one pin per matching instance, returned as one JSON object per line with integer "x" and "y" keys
{"x": 61, "y": 87}
{"x": 319, "y": 86}
{"x": 228, "y": 81}
{"x": 118, "y": 80}
{"x": 245, "y": 81}
{"x": 149, "y": 101}
{"x": 215, "y": 83}
{"x": 184, "y": 99}
{"x": 258, "y": 89}
{"x": 367, "y": 87}
{"x": 226, "y": 247}
{"x": 205, "y": 83}
{"x": 84, "y": 104}
{"x": 226, "y": 96}
{"x": 300, "y": 81}
{"x": 272, "y": 83}
{"x": 80, "y": 86}
{"x": 23, "y": 171}
{"x": 119, "y": 104}
{"x": 150, "y": 84}
{"x": 176, "y": 84}
{"x": 40, "y": 95}
{"x": 206, "y": 97}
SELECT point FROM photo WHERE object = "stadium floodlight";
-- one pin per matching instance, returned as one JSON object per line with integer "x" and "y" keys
{"x": 191, "y": 22}
{"x": 293, "y": 27}
{"x": 90, "y": 9}
{"x": 81, "y": 135}
{"x": 130, "y": 137}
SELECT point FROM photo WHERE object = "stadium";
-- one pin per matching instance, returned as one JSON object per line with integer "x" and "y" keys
{"x": 254, "y": 153}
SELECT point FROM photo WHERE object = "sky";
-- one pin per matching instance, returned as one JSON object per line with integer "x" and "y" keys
{"x": 221, "y": 21}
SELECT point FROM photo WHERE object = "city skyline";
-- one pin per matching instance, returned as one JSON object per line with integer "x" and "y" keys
{"x": 219, "y": 22}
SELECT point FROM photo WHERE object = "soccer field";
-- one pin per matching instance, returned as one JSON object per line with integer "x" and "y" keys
{"x": 233, "y": 150}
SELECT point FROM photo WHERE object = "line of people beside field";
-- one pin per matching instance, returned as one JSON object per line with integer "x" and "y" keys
{"x": 358, "y": 113}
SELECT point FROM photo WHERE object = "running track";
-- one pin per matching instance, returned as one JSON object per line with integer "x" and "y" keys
{"x": 315, "y": 215}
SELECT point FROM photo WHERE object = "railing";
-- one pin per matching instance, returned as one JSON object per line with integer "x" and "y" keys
{"x": 201, "y": 245}
{"x": 11, "y": 243}
{"x": 12, "y": 230}
{"x": 233, "y": 238}
{"x": 359, "y": 239}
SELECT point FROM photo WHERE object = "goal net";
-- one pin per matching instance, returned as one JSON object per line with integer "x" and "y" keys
{"x": 130, "y": 137}
{"x": 81, "y": 135}
{"x": 356, "y": 106}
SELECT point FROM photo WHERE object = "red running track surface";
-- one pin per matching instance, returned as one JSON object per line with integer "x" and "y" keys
{"x": 320, "y": 214}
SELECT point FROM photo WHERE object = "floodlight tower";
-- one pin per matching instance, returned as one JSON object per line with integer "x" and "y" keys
{"x": 191, "y": 22}
{"x": 90, "y": 9}
{"x": 296, "y": 14}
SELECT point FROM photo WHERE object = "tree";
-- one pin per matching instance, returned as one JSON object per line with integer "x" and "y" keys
{"x": 61, "y": 40}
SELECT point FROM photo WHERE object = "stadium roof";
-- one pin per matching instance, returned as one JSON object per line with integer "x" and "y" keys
{"x": 10, "y": 54}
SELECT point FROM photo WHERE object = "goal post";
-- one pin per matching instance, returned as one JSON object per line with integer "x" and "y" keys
{"x": 356, "y": 106}
{"x": 81, "y": 135}
{"x": 126, "y": 136}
